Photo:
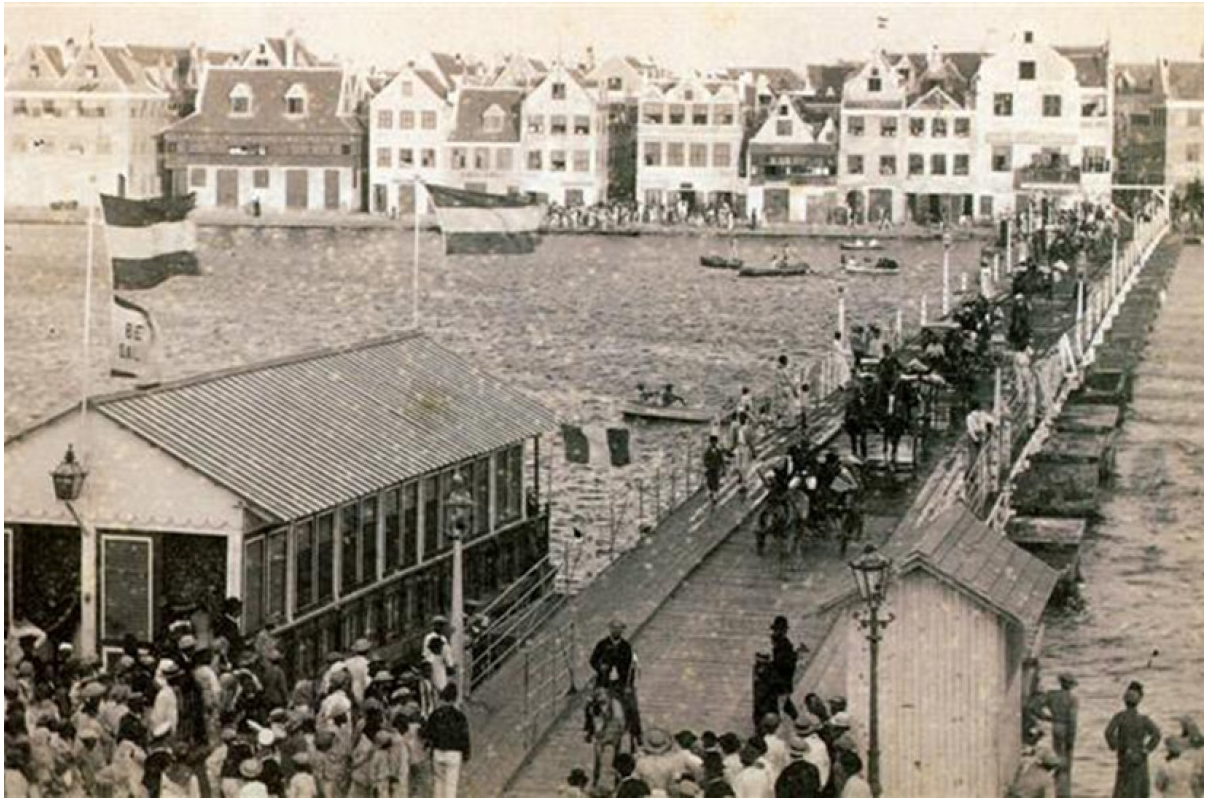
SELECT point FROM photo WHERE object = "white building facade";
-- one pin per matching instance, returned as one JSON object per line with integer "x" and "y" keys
{"x": 565, "y": 141}
{"x": 410, "y": 120}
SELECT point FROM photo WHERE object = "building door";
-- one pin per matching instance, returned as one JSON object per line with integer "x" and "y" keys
{"x": 331, "y": 189}
{"x": 987, "y": 206}
{"x": 126, "y": 598}
{"x": 880, "y": 204}
{"x": 406, "y": 199}
{"x": 228, "y": 188}
{"x": 297, "y": 188}
{"x": 776, "y": 204}
{"x": 379, "y": 198}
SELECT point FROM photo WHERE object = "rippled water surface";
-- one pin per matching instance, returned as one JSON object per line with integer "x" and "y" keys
{"x": 1144, "y": 563}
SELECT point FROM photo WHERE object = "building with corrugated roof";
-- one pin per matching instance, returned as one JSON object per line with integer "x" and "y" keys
{"x": 311, "y": 487}
{"x": 78, "y": 111}
{"x": 966, "y": 606}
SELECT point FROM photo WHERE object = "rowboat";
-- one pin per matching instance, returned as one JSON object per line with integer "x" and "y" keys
{"x": 792, "y": 270}
{"x": 861, "y": 245}
{"x": 675, "y": 413}
{"x": 881, "y": 267}
{"x": 720, "y": 262}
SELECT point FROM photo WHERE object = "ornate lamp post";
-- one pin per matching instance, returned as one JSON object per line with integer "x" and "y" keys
{"x": 459, "y": 506}
{"x": 871, "y": 572}
{"x": 68, "y": 480}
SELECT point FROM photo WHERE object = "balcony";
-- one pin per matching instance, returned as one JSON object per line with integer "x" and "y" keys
{"x": 1056, "y": 172}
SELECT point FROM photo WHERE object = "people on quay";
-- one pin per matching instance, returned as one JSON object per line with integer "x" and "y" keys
{"x": 1194, "y": 751}
{"x": 1133, "y": 737}
{"x": 742, "y": 450}
{"x": 613, "y": 663}
{"x": 855, "y": 420}
{"x": 1060, "y": 709}
{"x": 646, "y": 396}
{"x": 784, "y": 667}
{"x": 437, "y": 653}
{"x": 1174, "y": 776}
{"x": 785, "y": 387}
{"x": 447, "y": 733}
{"x": 714, "y": 466}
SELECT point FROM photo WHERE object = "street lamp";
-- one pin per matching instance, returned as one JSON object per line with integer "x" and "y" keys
{"x": 871, "y": 572}
{"x": 68, "y": 480}
{"x": 459, "y": 505}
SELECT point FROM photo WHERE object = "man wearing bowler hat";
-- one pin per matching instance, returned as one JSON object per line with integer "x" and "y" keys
{"x": 612, "y": 662}
{"x": 1060, "y": 707}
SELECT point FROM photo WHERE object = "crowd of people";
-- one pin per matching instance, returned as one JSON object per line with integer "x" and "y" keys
{"x": 622, "y": 214}
{"x": 201, "y": 715}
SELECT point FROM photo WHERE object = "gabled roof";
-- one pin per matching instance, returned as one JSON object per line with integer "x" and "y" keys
{"x": 827, "y": 80}
{"x": 936, "y": 99}
{"x": 117, "y": 70}
{"x": 1090, "y": 64}
{"x": 780, "y": 79}
{"x": 269, "y": 87}
{"x": 472, "y": 103}
{"x": 303, "y": 434}
{"x": 1185, "y": 81}
{"x": 1138, "y": 78}
{"x": 433, "y": 82}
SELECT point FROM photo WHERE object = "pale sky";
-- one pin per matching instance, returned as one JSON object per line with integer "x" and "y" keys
{"x": 681, "y": 36}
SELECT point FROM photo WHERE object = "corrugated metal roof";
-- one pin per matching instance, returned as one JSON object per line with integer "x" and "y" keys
{"x": 304, "y": 434}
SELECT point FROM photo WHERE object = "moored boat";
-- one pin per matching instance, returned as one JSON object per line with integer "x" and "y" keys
{"x": 882, "y": 266}
{"x": 791, "y": 270}
{"x": 676, "y": 413}
{"x": 720, "y": 262}
{"x": 861, "y": 245}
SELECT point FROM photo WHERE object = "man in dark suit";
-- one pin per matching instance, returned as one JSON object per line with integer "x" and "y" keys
{"x": 612, "y": 661}
{"x": 784, "y": 666}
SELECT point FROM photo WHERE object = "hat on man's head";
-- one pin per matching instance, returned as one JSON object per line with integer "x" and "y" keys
{"x": 840, "y": 720}
{"x": 382, "y": 677}
{"x": 188, "y": 641}
{"x": 439, "y": 619}
{"x": 780, "y": 624}
{"x": 807, "y": 724}
{"x": 265, "y": 738}
{"x": 362, "y": 646}
{"x": 656, "y": 741}
{"x": 250, "y": 768}
{"x": 94, "y": 690}
{"x": 616, "y": 624}
{"x": 1137, "y": 688}
{"x": 1067, "y": 680}
{"x": 798, "y": 746}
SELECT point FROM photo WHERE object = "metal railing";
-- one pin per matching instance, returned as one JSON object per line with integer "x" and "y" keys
{"x": 513, "y": 617}
{"x": 549, "y": 681}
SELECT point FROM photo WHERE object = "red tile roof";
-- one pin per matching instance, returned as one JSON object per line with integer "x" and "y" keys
{"x": 268, "y": 88}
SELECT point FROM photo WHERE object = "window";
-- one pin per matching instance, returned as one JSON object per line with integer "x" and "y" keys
{"x": 503, "y": 159}
{"x": 369, "y": 515}
{"x": 939, "y": 128}
{"x": 651, "y": 153}
{"x": 536, "y": 125}
{"x": 492, "y": 119}
{"x": 458, "y": 158}
{"x": 889, "y": 127}
{"x": 350, "y": 529}
{"x": 889, "y": 165}
{"x": 480, "y": 489}
{"x": 698, "y": 155}
{"x": 410, "y": 536}
{"x": 277, "y": 562}
{"x": 557, "y": 91}
{"x": 1194, "y": 153}
{"x": 724, "y": 115}
{"x": 91, "y": 72}
{"x": 1027, "y": 70}
{"x": 428, "y": 120}
{"x": 509, "y": 483}
{"x": 20, "y": 108}
{"x": 557, "y": 160}
{"x": 1028, "y": 37}
{"x": 583, "y": 160}
{"x": 1004, "y": 104}
{"x": 960, "y": 127}
{"x": 482, "y": 158}
{"x": 431, "y": 518}
{"x": 784, "y": 127}
{"x": 874, "y": 82}
{"x": 915, "y": 165}
{"x": 1138, "y": 120}
{"x": 49, "y": 108}
{"x": 1000, "y": 159}
{"x": 304, "y": 564}
{"x": 241, "y": 100}
{"x": 615, "y": 84}
{"x": 652, "y": 113}
{"x": 259, "y": 178}
{"x": 385, "y": 120}
{"x": 855, "y": 126}
{"x": 675, "y": 154}
{"x": 855, "y": 164}
{"x": 35, "y": 71}
{"x": 918, "y": 126}
{"x": 325, "y": 558}
{"x": 582, "y": 125}
{"x": 1158, "y": 115}
{"x": 557, "y": 125}
{"x": 688, "y": 95}
{"x": 534, "y": 160}
{"x": 1052, "y": 105}
{"x": 253, "y": 584}
{"x": 295, "y": 101}
{"x": 197, "y": 178}
{"x": 939, "y": 164}
{"x": 406, "y": 157}
{"x": 700, "y": 114}
{"x": 675, "y": 115}
{"x": 383, "y": 157}
{"x": 406, "y": 120}
{"x": 1094, "y": 159}
{"x": 390, "y": 531}
{"x": 960, "y": 165}
{"x": 1195, "y": 118}
{"x": 427, "y": 158}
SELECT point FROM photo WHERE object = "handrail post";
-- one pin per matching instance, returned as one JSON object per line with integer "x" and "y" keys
{"x": 658, "y": 480}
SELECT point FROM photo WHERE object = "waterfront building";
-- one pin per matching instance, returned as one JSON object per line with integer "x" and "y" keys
{"x": 966, "y": 606}
{"x": 312, "y": 487}
{"x": 484, "y": 152}
{"x": 78, "y": 111}
{"x": 618, "y": 82}
{"x": 793, "y": 164}
{"x": 519, "y": 72}
{"x": 284, "y": 136}
{"x": 1044, "y": 124}
{"x": 1183, "y": 91}
{"x": 690, "y": 136}
{"x": 565, "y": 136}
{"x": 1139, "y": 139}
{"x": 410, "y": 121}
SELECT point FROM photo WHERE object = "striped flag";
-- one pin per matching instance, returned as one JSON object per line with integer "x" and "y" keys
{"x": 474, "y": 223}
{"x": 595, "y": 445}
{"x": 149, "y": 240}
{"x": 135, "y": 343}
{"x": 882, "y": 23}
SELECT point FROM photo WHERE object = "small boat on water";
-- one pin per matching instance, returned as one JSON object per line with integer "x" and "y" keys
{"x": 861, "y": 245}
{"x": 720, "y": 262}
{"x": 867, "y": 266}
{"x": 771, "y": 270}
{"x": 675, "y": 413}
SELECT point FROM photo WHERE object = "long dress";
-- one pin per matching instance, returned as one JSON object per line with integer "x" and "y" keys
{"x": 1133, "y": 737}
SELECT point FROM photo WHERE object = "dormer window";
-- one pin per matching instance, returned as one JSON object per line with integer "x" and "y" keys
{"x": 874, "y": 81}
{"x": 615, "y": 84}
{"x": 35, "y": 71}
{"x": 558, "y": 91}
{"x": 91, "y": 72}
{"x": 241, "y": 100}
{"x": 492, "y": 119}
{"x": 405, "y": 88}
{"x": 904, "y": 74}
{"x": 295, "y": 101}
{"x": 688, "y": 96}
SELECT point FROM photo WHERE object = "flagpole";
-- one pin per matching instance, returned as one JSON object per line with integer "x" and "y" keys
{"x": 415, "y": 259}
{"x": 87, "y": 340}
{"x": 88, "y": 540}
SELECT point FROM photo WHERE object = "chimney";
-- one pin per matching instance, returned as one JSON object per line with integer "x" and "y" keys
{"x": 71, "y": 51}
{"x": 1028, "y": 37}
{"x": 935, "y": 61}
{"x": 291, "y": 48}
{"x": 591, "y": 57}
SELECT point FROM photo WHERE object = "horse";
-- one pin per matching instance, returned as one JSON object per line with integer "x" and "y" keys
{"x": 606, "y": 724}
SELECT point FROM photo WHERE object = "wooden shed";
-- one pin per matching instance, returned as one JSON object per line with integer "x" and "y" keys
{"x": 967, "y": 605}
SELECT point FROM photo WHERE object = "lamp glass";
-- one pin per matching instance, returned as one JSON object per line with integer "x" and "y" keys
{"x": 871, "y": 570}
{"x": 68, "y": 478}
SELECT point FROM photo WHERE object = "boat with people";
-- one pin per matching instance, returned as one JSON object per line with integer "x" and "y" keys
{"x": 861, "y": 245}
{"x": 881, "y": 266}
{"x": 796, "y": 269}
{"x": 720, "y": 262}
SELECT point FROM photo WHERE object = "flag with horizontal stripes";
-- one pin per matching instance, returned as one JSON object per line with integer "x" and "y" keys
{"x": 476, "y": 223}
{"x": 150, "y": 240}
{"x": 134, "y": 340}
{"x": 596, "y": 445}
